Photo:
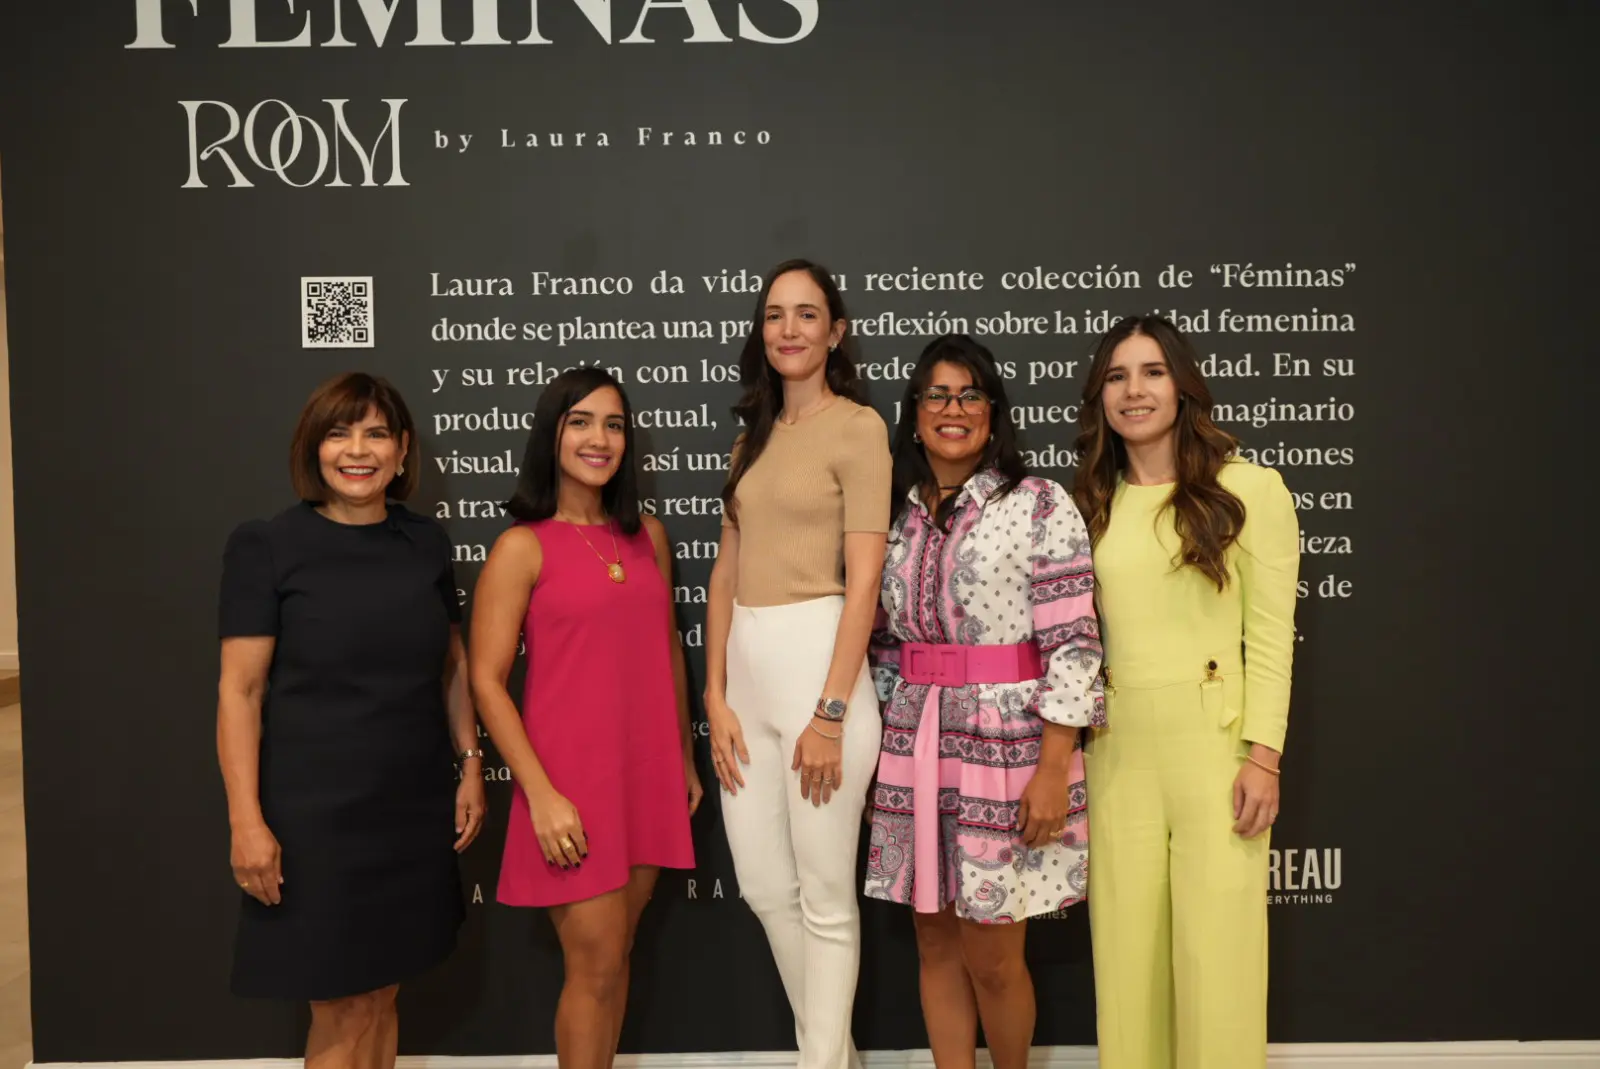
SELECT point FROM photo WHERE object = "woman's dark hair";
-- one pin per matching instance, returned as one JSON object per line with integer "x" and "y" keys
{"x": 539, "y": 484}
{"x": 346, "y": 399}
{"x": 911, "y": 468}
{"x": 763, "y": 386}
{"x": 1207, "y": 516}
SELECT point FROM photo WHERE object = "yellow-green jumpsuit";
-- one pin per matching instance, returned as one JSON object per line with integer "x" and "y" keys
{"x": 1177, "y": 899}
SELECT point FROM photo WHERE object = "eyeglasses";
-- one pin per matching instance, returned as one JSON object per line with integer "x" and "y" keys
{"x": 971, "y": 399}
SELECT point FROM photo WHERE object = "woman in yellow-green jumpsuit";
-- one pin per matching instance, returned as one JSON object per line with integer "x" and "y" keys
{"x": 1196, "y": 556}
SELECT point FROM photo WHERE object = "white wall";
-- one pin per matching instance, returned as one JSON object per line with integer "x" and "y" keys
{"x": 8, "y": 542}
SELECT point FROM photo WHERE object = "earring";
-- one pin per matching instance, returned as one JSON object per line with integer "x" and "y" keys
{"x": 401, "y": 470}
{"x": 916, "y": 436}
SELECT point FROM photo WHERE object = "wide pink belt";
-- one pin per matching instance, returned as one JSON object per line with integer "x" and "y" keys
{"x": 948, "y": 665}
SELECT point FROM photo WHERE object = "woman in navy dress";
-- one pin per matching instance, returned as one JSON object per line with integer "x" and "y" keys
{"x": 343, "y": 710}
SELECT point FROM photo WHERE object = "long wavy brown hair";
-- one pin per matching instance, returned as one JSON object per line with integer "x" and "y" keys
{"x": 1207, "y": 516}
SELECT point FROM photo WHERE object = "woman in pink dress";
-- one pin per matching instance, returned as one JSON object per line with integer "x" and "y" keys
{"x": 987, "y": 657}
{"x": 605, "y": 782}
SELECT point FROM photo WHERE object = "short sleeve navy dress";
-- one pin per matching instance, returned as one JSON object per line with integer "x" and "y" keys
{"x": 358, "y": 774}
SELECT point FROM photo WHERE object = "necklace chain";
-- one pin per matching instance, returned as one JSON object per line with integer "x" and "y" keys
{"x": 613, "y": 569}
{"x": 816, "y": 407}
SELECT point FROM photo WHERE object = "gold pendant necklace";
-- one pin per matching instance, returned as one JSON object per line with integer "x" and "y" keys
{"x": 613, "y": 568}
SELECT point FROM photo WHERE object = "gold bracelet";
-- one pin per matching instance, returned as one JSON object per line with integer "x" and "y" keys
{"x": 824, "y": 734}
{"x": 1258, "y": 764}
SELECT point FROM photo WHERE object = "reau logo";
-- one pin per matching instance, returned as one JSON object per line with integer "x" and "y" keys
{"x": 1301, "y": 877}
{"x": 286, "y": 140}
{"x": 245, "y": 32}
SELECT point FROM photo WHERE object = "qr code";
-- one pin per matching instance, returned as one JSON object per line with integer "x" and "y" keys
{"x": 336, "y": 313}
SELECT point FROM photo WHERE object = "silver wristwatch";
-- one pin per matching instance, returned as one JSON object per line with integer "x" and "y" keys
{"x": 830, "y": 708}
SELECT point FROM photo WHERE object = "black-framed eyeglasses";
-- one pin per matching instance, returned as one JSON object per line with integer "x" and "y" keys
{"x": 971, "y": 399}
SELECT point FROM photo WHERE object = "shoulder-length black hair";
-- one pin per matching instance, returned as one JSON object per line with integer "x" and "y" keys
{"x": 911, "y": 468}
{"x": 763, "y": 386}
{"x": 539, "y": 484}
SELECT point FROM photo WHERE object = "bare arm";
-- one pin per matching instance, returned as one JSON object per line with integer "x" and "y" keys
{"x": 242, "y": 683}
{"x": 818, "y": 752}
{"x": 719, "y": 614}
{"x": 499, "y": 604}
{"x": 865, "y": 474}
{"x": 244, "y": 680}
{"x": 863, "y": 572}
{"x": 471, "y": 804}
{"x": 458, "y": 701}
{"x": 728, "y": 750}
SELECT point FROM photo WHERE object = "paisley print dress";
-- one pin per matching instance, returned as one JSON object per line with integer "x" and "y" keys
{"x": 956, "y": 759}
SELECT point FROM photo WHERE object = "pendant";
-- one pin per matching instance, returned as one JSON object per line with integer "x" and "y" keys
{"x": 616, "y": 572}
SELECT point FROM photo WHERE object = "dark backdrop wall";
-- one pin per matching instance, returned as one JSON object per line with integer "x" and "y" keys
{"x": 1366, "y": 214}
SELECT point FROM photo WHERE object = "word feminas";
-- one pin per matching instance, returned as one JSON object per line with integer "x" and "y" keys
{"x": 682, "y": 21}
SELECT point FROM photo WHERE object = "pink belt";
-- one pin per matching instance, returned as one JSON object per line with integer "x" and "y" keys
{"x": 948, "y": 665}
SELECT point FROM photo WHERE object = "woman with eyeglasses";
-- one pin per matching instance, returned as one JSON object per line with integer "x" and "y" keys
{"x": 987, "y": 657}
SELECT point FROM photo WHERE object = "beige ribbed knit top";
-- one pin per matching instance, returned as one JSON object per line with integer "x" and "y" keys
{"x": 825, "y": 475}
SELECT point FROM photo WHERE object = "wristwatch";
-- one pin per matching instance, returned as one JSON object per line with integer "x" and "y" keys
{"x": 830, "y": 708}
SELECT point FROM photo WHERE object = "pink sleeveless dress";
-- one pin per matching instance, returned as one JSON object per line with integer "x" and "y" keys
{"x": 600, "y": 709}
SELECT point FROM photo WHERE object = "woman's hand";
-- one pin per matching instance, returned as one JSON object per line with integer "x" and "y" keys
{"x": 1042, "y": 810}
{"x": 1255, "y": 798}
{"x": 560, "y": 832}
{"x": 820, "y": 760}
{"x": 691, "y": 779}
{"x": 471, "y": 808}
{"x": 257, "y": 859}
{"x": 727, "y": 744}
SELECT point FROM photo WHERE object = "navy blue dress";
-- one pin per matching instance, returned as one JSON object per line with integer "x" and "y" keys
{"x": 358, "y": 774}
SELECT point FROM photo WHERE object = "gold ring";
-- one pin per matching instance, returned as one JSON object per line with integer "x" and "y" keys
{"x": 566, "y": 842}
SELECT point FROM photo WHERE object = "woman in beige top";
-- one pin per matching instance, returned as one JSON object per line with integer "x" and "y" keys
{"x": 794, "y": 718}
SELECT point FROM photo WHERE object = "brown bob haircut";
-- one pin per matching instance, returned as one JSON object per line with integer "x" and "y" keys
{"x": 347, "y": 399}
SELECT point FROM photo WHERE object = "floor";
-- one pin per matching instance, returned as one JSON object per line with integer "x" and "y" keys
{"x": 16, "y": 1031}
